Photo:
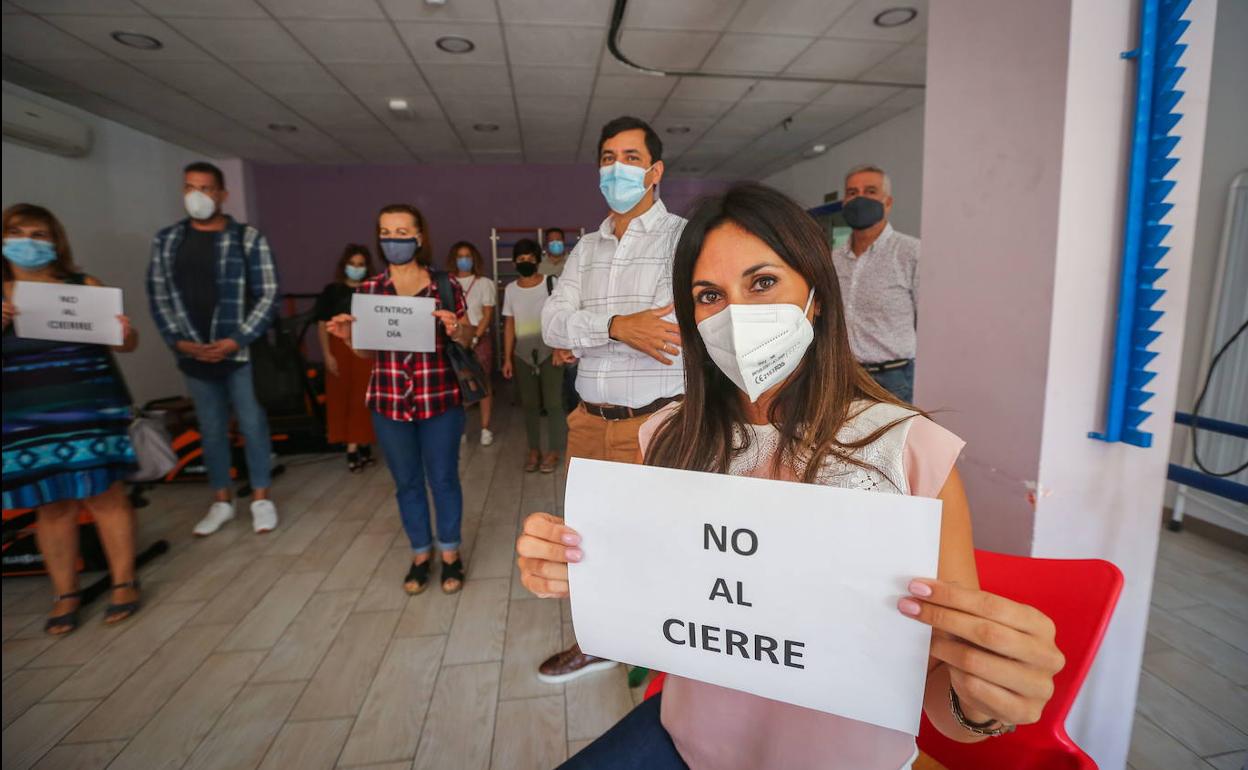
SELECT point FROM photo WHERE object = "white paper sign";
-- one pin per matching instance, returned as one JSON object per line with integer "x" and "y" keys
{"x": 67, "y": 312}
{"x": 784, "y": 590}
{"x": 385, "y": 322}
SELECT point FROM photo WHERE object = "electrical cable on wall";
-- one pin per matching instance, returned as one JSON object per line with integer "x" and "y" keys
{"x": 1213, "y": 365}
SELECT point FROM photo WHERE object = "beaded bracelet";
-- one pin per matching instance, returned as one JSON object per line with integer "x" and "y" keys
{"x": 979, "y": 728}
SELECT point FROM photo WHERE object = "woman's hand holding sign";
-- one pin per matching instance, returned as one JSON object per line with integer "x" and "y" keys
{"x": 1001, "y": 655}
{"x": 544, "y": 549}
{"x": 340, "y": 326}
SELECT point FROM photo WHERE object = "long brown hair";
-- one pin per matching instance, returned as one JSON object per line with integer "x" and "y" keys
{"x": 816, "y": 400}
{"x": 478, "y": 264}
{"x": 424, "y": 255}
{"x": 348, "y": 252}
{"x": 25, "y": 213}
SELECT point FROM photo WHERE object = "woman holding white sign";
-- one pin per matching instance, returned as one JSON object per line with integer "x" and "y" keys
{"x": 67, "y": 415}
{"x": 772, "y": 391}
{"x": 417, "y": 407}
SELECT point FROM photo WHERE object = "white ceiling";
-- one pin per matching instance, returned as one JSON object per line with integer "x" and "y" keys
{"x": 540, "y": 71}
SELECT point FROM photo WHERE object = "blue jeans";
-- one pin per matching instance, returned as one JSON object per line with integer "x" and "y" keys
{"x": 418, "y": 449}
{"x": 213, "y": 399}
{"x": 899, "y": 381}
{"x": 637, "y": 742}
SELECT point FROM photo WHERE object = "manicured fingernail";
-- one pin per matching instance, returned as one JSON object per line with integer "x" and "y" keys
{"x": 573, "y": 554}
{"x": 909, "y": 607}
{"x": 571, "y": 538}
{"x": 919, "y": 588}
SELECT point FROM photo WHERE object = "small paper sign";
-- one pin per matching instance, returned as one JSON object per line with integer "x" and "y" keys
{"x": 386, "y": 322}
{"x": 67, "y": 312}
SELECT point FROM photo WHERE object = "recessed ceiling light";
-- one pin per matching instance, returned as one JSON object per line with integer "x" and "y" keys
{"x": 895, "y": 17}
{"x": 283, "y": 128}
{"x": 455, "y": 44}
{"x": 137, "y": 40}
{"x": 819, "y": 149}
{"x": 678, "y": 129}
{"x": 485, "y": 128}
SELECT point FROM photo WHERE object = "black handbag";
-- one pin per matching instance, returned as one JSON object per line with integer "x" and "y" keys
{"x": 468, "y": 370}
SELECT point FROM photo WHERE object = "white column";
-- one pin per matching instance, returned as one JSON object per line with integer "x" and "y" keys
{"x": 1026, "y": 146}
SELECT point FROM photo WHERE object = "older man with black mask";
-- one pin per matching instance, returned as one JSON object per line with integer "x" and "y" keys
{"x": 878, "y": 271}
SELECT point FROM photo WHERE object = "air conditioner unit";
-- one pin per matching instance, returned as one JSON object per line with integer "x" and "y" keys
{"x": 43, "y": 128}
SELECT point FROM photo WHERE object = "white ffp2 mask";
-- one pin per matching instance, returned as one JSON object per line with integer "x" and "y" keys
{"x": 758, "y": 346}
{"x": 199, "y": 205}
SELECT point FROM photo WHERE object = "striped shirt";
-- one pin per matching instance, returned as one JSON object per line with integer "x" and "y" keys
{"x": 246, "y": 287}
{"x": 880, "y": 288}
{"x": 605, "y": 277}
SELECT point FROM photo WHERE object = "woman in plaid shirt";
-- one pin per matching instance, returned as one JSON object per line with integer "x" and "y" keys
{"x": 417, "y": 408}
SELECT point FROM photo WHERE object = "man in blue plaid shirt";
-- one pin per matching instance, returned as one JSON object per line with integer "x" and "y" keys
{"x": 212, "y": 285}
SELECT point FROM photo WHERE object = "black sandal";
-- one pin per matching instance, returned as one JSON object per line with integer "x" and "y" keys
{"x": 366, "y": 455}
{"x": 67, "y": 621}
{"x": 452, "y": 570}
{"x": 353, "y": 462}
{"x": 418, "y": 574}
{"x": 115, "y": 613}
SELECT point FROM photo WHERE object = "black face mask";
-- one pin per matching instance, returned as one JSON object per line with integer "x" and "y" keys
{"x": 526, "y": 269}
{"x": 862, "y": 212}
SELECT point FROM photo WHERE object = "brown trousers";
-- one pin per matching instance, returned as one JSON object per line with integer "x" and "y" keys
{"x": 594, "y": 438}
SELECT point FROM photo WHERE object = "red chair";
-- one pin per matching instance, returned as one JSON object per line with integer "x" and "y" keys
{"x": 1079, "y": 595}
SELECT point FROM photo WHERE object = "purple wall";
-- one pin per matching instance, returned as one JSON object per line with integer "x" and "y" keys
{"x": 310, "y": 212}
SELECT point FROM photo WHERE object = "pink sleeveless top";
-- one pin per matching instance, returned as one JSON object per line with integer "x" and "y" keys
{"x": 715, "y": 728}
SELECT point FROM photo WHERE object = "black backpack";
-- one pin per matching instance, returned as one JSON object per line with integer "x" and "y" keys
{"x": 468, "y": 371}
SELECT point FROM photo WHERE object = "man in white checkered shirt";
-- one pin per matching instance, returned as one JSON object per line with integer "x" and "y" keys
{"x": 611, "y": 310}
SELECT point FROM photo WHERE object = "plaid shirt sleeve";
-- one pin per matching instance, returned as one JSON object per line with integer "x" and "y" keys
{"x": 159, "y": 294}
{"x": 262, "y": 282}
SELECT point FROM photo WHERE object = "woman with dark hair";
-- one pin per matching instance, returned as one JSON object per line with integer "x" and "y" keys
{"x": 772, "y": 391}
{"x": 346, "y": 374}
{"x": 416, "y": 404}
{"x": 67, "y": 415}
{"x": 481, "y": 295}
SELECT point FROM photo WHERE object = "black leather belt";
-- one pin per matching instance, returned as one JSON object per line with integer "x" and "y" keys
{"x": 614, "y": 413}
{"x": 887, "y": 365}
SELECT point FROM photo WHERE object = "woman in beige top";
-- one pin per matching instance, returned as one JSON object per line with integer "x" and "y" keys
{"x": 772, "y": 391}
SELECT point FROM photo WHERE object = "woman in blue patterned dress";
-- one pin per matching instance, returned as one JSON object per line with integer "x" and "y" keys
{"x": 66, "y": 420}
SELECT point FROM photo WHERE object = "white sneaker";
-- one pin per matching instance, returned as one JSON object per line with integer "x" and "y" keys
{"x": 218, "y": 514}
{"x": 487, "y": 437}
{"x": 263, "y": 516}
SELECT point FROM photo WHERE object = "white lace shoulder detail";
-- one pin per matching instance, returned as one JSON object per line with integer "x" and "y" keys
{"x": 883, "y": 456}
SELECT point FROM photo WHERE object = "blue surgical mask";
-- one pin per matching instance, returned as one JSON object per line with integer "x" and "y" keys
{"x": 464, "y": 264}
{"x": 356, "y": 272}
{"x": 622, "y": 185}
{"x": 29, "y": 253}
{"x": 555, "y": 248}
{"x": 399, "y": 251}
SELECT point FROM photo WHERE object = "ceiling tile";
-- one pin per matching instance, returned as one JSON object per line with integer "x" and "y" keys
{"x": 909, "y": 65}
{"x": 252, "y": 108}
{"x": 35, "y": 79}
{"x": 104, "y": 77}
{"x": 603, "y": 110}
{"x": 261, "y": 40}
{"x": 28, "y": 38}
{"x": 324, "y": 9}
{"x": 529, "y": 44}
{"x": 98, "y": 30}
{"x": 859, "y": 22}
{"x": 696, "y": 127}
{"x": 330, "y": 111}
{"x": 388, "y": 79}
{"x": 711, "y": 89}
{"x": 446, "y": 156}
{"x": 633, "y": 86}
{"x": 556, "y": 107}
{"x": 662, "y": 50}
{"x": 681, "y": 110}
{"x": 792, "y": 17}
{"x": 842, "y": 58}
{"x": 712, "y": 15}
{"x": 563, "y": 137}
{"x": 350, "y": 40}
{"x": 456, "y": 10}
{"x": 552, "y": 81}
{"x": 421, "y": 39}
{"x": 737, "y": 52}
{"x": 215, "y": 9}
{"x": 194, "y": 78}
{"x": 553, "y": 157}
{"x": 756, "y": 116}
{"x": 498, "y": 156}
{"x": 857, "y": 96}
{"x": 785, "y": 91}
{"x": 290, "y": 77}
{"x": 6, "y": 8}
{"x": 84, "y": 7}
{"x": 468, "y": 79}
{"x": 465, "y": 111}
{"x": 579, "y": 13}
